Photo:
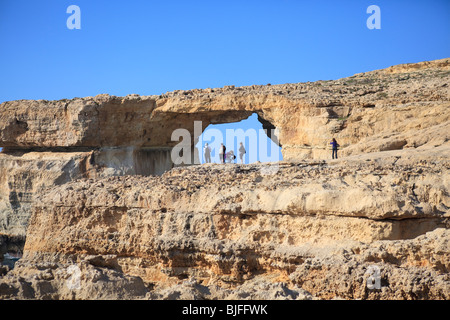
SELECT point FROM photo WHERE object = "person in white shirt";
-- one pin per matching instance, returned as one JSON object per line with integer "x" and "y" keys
{"x": 207, "y": 153}
{"x": 242, "y": 152}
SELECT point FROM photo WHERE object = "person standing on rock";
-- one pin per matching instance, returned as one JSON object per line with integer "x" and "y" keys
{"x": 222, "y": 153}
{"x": 207, "y": 152}
{"x": 241, "y": 153}
{"x": 334, "y": 146}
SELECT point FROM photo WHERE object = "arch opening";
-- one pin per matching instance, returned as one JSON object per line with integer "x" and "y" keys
{"x": 258, "y": 136}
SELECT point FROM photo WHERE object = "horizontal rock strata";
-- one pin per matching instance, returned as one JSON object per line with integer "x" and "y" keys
{"x": 316, "y": 227}
{"x": 112, "y": 219}
{"x": 306, "y": 114}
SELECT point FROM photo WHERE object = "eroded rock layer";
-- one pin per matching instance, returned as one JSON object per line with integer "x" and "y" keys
{"x": 405, "y": 106}
{"x": 308, "y": 229}
{"x": 306, "y": 114}
{"x": 111, "y": 218}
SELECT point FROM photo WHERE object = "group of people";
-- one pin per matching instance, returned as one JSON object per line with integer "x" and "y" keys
{"x": 223, "y": 155}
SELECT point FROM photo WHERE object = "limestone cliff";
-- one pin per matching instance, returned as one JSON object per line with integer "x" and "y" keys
{"x": 405, "y": 106}
{"x": 306, "y": 114}
{"x": 305, "y": 230}
{"x": 96, "y": 178}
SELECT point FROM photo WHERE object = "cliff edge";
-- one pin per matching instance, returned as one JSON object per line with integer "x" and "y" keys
{"x": 88, "y": 185}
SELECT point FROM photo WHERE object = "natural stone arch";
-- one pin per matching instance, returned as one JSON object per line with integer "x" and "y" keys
{"x": 248, "y": 133}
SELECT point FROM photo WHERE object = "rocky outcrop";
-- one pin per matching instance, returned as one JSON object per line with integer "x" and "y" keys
{"x": 306, "y": 114}
{"x": 308, "y": 229}
{"x": 112, "y": 219}
{"x": 22, "y": 174}
{"x": 405, "y": 106}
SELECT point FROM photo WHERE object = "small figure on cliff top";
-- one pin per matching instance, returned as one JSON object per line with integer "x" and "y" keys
{"x": 334, "y": 146}
{"x": 242, "y": 152}
{"x": 207, "y": 152}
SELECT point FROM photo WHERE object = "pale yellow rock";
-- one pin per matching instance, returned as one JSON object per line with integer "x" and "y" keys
{"x": 107, "y": 223}
{"x": 379, "y": 110}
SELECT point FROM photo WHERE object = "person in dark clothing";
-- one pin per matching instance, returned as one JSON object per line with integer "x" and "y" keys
{"x": 334, "y": 146}
{"x": 222, "y": 153}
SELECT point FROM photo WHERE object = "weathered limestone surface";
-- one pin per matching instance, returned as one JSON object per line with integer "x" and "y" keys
{"x": 22, "y": 174}
{"x": 106, "y": 211}
{"x": 306, "y": 230}
{"x": 405, "y": 106}
{"x": 380, "y": 102}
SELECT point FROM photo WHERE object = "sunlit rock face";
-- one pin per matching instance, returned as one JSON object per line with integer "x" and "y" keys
{"x": 104, "y": 166}
{"x": 385, "y": 109}
{"x": 299, "y": 231}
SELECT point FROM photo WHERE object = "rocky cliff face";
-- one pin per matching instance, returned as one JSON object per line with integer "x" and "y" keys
{"x": 110, "y": 220}
{"x": 306, "y": 230}
{"x": 401, "y": 107}
{"x": 306, "y": 114}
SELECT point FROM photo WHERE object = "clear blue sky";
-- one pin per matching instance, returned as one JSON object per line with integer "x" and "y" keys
{"x": 248, "y": 131}
{"x": 151, "y": 47}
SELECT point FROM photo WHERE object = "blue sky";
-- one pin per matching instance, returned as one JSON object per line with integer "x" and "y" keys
{"x": 151, "y": 47}
{"x": 248, "y": 131}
